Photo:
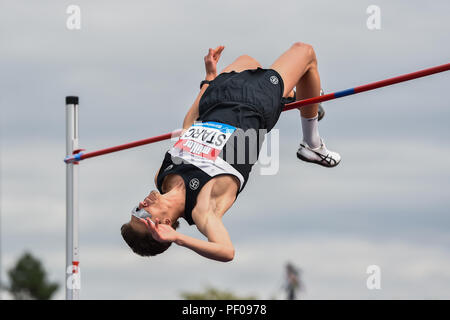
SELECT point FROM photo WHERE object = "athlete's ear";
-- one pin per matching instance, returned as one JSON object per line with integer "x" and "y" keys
{"x": 168, "y": 221}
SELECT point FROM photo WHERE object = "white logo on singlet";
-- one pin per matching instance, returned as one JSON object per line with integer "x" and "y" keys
{"x": 169, "y": 167}
{"x": 274, "y": 79}
{"x": 194, "y": 183}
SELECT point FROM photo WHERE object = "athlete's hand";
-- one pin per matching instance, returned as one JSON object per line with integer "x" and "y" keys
{"x": 211, "y": 60}
{"x": 162, "y": 232}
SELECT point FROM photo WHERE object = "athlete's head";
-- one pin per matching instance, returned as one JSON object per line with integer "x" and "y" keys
{"x": 136, "y": 232}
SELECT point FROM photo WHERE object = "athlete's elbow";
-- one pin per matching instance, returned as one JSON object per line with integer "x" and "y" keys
{"x": 229, "y": 255}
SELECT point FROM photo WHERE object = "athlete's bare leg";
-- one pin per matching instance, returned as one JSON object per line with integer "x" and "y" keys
{"x": 298, "y": 68}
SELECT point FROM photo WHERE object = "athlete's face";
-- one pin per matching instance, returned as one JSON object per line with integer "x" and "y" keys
{"x": 152, "y": 205}
{"x": 151, "y": 200}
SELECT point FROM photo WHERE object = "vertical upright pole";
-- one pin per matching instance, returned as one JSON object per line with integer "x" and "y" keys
{"x": 72, "y": 254}
{"x": 1, "y": 234}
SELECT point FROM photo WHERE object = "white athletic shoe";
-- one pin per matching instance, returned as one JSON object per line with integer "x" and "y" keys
{"x": 320, "y": 155}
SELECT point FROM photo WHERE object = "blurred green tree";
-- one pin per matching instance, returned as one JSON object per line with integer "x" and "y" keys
{"x": 28, "y": 280}
{"x": 211, "y": 293}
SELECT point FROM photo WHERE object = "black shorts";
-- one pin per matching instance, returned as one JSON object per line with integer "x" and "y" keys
{"x": 251, "y": 99}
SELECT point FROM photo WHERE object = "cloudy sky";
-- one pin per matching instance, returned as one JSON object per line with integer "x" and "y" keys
{"x": 136, "y": 67}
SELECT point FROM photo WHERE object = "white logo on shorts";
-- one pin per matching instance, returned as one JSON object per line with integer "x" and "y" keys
{"x": 169, "y": 167}
{"x": 194, "y": 183}
{"x": 274, "y": 79}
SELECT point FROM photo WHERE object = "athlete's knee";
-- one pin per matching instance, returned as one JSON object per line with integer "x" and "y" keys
{"x": 248, "y": 59}
{"x": 302, "y": 46}
{"x": 306, "y": 50}
{"x": 245, "y": 57}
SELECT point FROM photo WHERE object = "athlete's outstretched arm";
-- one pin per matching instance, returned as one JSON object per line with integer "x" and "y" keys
{"x": 218, "y": 247}
{"x": 211, "y": 60}
{"x": 211, "y": 250}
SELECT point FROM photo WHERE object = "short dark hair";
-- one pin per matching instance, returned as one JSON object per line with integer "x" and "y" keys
{"x": 143, "y": 244}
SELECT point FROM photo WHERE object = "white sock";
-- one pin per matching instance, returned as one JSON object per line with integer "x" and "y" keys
{"x": 310, "y": 128}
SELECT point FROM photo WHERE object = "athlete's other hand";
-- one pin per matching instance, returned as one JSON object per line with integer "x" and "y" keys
{"x": 211, "y": 60}
{"x": 162, "y": 232}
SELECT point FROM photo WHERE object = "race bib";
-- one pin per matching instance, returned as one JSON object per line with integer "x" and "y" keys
{"x": 205, "y": 139}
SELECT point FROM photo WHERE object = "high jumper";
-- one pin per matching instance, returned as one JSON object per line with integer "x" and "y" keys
{"x": 200, "y": 179}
